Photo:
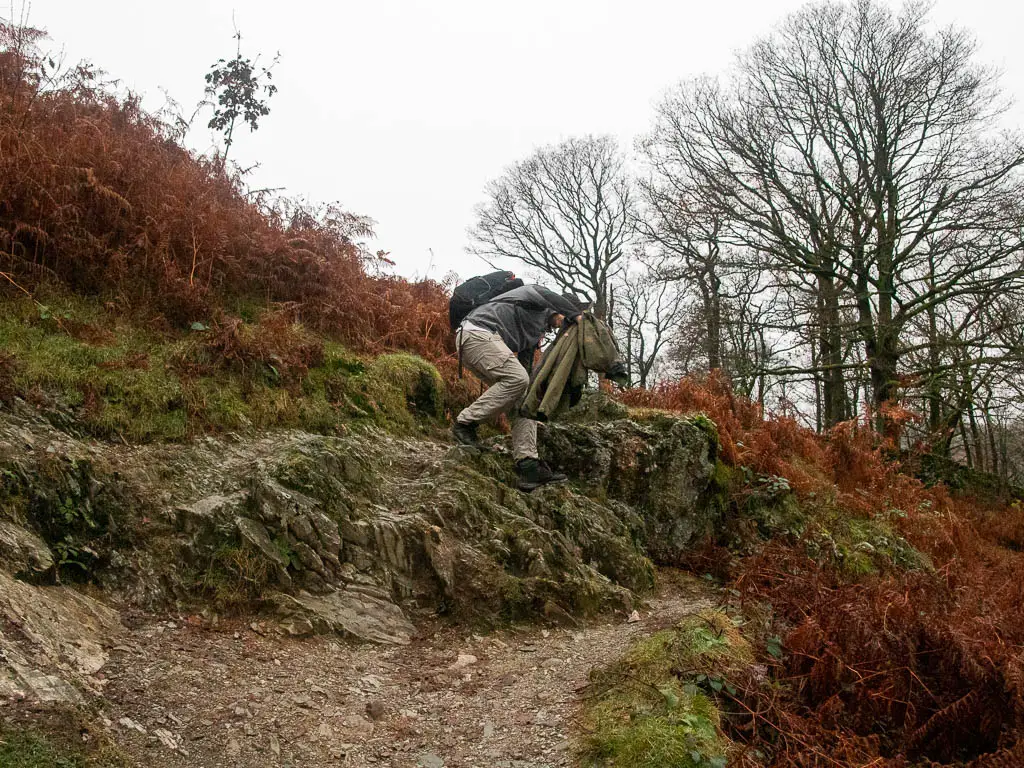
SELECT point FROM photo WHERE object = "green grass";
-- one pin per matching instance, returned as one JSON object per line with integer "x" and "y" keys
{"x": 128, "y": 383}
{"x": 677, "y": 731}
{"x": 52, "y": 741}
{"x": 23, "y": 749}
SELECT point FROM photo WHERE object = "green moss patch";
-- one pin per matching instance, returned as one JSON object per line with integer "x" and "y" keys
{"x": 404, "y": 386}
{"x": 655, "y": 708}
{"x": 856, "y": 547}
{"x": 867, "y": 546}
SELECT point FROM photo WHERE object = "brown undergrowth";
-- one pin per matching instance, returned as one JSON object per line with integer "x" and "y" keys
{"x": 898, "y": 667}
{"x": 99, "y": 197}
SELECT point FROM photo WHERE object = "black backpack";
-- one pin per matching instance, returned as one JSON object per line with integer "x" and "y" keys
{"x": 476, "y": 291}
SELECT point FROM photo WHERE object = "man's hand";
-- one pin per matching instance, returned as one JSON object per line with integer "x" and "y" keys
{"x": 557, "y": 320}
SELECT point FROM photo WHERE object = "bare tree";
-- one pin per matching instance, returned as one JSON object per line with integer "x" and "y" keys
{"x": 687, "y": 234}
{"x": 752, "y": 344}
{"x": 567, "y": 210}
{"x": 726, "y": 304}
{"x": 648, "y": 312}
{"x": 846, "y": 147}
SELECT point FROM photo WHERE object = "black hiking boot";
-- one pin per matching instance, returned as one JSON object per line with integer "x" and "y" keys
{"x": 533, "y": 473}
{"x": 465, "y": 434}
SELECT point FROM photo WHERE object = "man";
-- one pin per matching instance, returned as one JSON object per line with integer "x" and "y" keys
{"x": 494, "y": 341}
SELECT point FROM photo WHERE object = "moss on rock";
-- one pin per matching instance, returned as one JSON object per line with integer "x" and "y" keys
{"x": 655, "y": 706}
{"x": 867, "y": 546}
{"x": 663, "y": 468}
{"x": 855, "y": 546}
{"x": 403, "y": 387}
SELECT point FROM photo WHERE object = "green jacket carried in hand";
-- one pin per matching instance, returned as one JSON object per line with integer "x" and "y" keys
{"x": 558, "y": 382}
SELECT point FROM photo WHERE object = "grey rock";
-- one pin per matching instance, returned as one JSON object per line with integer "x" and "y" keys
{"x": 23, "y": 551}
{"x": 60, "y": 644}
{"x": 327, "y": 531}
{"x": 350, "y": 612}
{"x": 298, "y": 626}
{"x": 309, "y": 558}
{"x": 255, "y": 533}
{"x": 207, "y": 511}
{"x": 661, "y": 467}
{"x": 302, "y": 528}
{"x": 464, "y": 660}
{"x": 429, "y": 760}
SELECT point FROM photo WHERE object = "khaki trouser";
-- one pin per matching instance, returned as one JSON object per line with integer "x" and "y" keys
{"x": 486, "y": 355}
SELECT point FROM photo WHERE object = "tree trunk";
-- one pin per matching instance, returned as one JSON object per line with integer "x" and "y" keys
{"x": 600, "y": 307}
{"x": 714, "y": 320}
{"x": 835, "y": 403}
{"x": 994, "y": 466}
{"x": 629, "y": 355}
{"x": 979, "y": 446}
{"x": 883, "y": 359}
{"x": 968, "y": 459}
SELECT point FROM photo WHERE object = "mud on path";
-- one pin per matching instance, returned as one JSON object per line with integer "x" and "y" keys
{"x": 180, "y": 693}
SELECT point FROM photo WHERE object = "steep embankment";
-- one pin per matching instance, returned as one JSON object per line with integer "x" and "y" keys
{"x": 374, "y": 533}
{"x": 161, "y": 491}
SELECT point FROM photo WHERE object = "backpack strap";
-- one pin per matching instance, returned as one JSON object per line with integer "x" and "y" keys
{"x": 461, "y": 336}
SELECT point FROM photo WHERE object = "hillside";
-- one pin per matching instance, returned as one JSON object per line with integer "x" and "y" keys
{"x": 347, "y": 514}
{"x": 234, "y": 532}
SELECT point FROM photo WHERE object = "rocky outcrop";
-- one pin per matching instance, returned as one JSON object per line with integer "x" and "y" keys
{"x": 22, "y": 552}
{"x": 53, "y": 642}
{"x": 662, "y": 467}
{"x": 359, "y": 534}
{"x": 334, "y": 522}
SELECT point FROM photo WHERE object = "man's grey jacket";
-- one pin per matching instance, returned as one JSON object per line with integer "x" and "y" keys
{"x": 522, "y": 316}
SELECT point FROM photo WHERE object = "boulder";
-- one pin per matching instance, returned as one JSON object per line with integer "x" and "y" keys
{"x": 53, "y": 641}
{"x": 22, "y": 551}
{"x": 661, "y": 468}
{"x": 350, "y": 611}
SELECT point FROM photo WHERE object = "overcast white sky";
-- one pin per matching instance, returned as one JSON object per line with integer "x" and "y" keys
{"x": 402, "y": 109}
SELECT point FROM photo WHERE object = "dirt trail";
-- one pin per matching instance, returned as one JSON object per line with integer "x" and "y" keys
{"x": 185, "y": 694}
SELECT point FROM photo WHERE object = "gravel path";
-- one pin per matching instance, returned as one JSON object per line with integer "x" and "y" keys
{"x": 183, "y": 693}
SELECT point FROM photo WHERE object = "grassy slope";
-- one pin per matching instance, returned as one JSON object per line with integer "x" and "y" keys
{"x": 122, "y": 381}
